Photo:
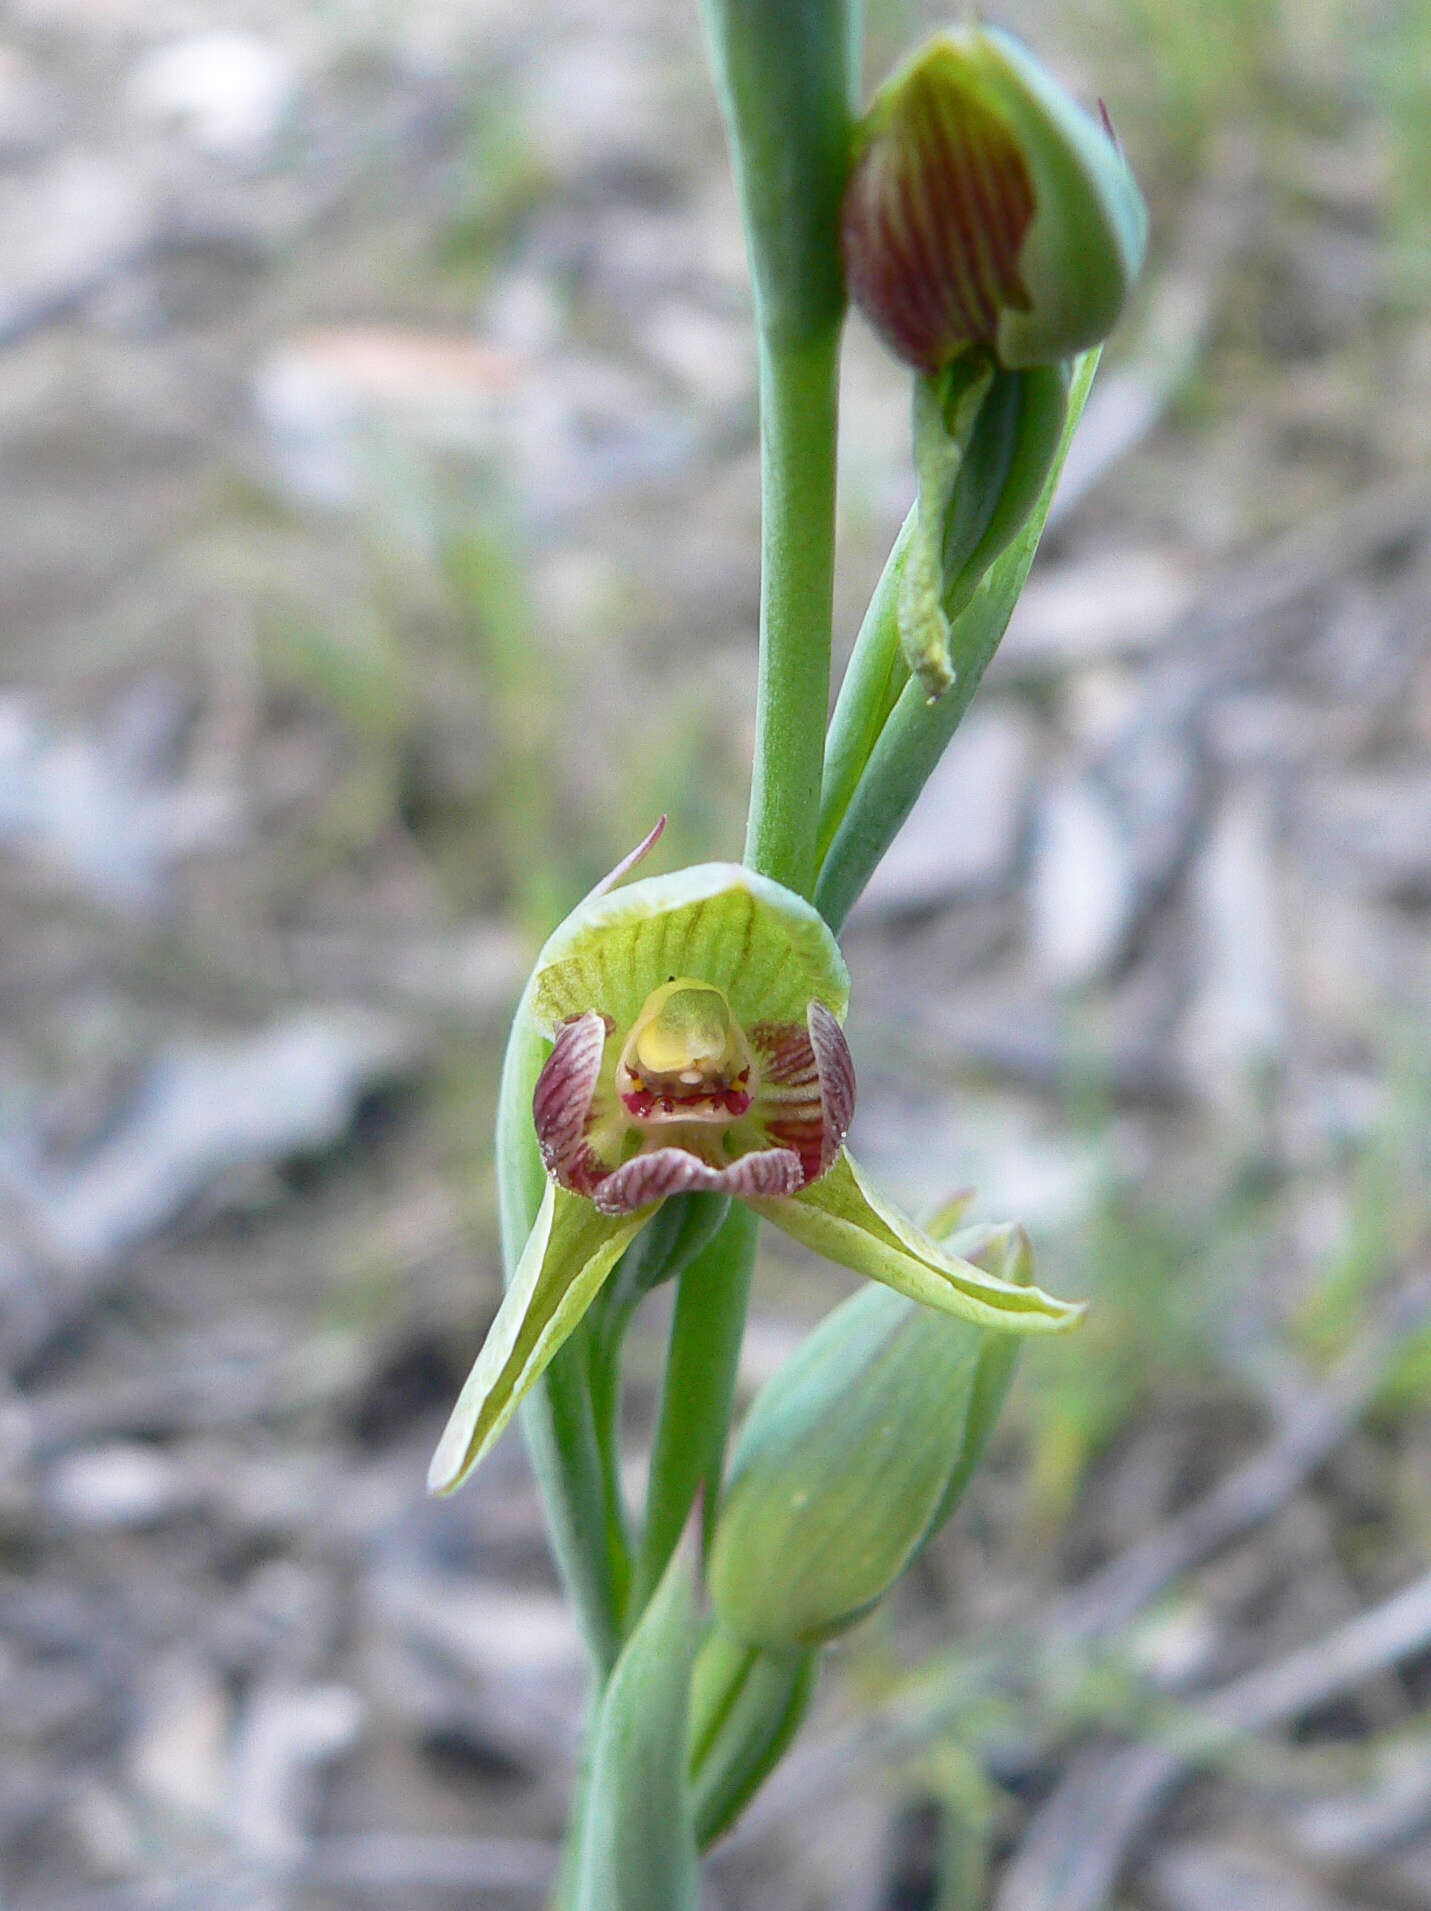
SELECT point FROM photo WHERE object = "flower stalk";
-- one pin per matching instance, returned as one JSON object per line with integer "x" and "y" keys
{"x": 677, "y": 1071}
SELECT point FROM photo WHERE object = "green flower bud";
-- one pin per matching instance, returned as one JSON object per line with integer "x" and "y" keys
{"x": 985, "y": 209}
{"x": 853, "y": 1455}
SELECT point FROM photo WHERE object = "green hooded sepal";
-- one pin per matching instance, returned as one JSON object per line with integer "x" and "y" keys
{"x": 764, "y": 947}
{"x": 841, "y": 1217}
{"x": 1090, "y": 229}
{"x": 569, "y": 1253}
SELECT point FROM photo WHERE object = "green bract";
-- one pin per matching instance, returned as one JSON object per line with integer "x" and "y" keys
{"x": 636, "y": 1849}
{"x": 696, "y": 1047}
{"x": 985, "y": 441}
{"x": 987, "y": 210}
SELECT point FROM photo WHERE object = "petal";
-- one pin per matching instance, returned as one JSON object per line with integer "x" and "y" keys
{"x": 764, "y": 947}
{"x": 569, "y": 1253}
{"x": 763, "y": 1174}
{"x": 840, "y": 1217}
{"x": 561, "y": 1103}
{"x": 807, "y": 1088}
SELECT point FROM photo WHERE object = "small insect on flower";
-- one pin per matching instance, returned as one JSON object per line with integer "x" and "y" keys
{"x": 696, "y": 1044}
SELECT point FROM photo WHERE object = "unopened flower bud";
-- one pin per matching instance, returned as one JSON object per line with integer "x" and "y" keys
{"x": 986, "y": 210}
{"x": 852, "y": 1455}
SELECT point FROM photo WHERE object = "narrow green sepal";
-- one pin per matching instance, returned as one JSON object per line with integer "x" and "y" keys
{"x": 841, "y": 1217}
{"x": 556, "y": 1416}
{"x": 746, "y": 1706}
{"x": 569, "y": 1253}
{"x": 637, "y": 1847}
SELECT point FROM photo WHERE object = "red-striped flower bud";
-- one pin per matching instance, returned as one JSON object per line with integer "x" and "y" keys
{"x": 986, "y": 210}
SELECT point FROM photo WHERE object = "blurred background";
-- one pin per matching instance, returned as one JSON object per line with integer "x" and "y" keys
{"x": 379, "y": 521}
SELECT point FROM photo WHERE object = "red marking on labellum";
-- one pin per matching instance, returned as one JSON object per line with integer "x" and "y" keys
{"x": 666, "y": 1171}
{"x": 561, "y": 1104}
{"x": 701, "y": 1104}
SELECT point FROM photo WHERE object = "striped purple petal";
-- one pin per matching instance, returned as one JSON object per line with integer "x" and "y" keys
{"x": 665, "y": 1171}
{"x": 807, "y": 1088}
{"x": 561, "y": 1105}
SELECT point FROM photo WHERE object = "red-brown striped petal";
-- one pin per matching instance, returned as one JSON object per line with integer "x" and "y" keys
{"x": 807, "y": 1088}
{"x": 561, "y": 1105}
{"x": 837, "y": 1081}
{"x": 766, "y": 1173}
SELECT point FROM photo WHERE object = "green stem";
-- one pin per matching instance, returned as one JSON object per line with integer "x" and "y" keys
{"x": 689, "y": 1450}
{"x": 784, "y": 75}
{"x": 604, "y": 1386}
{"x": 798, "y": 412}
{"x": 798, "y": 387}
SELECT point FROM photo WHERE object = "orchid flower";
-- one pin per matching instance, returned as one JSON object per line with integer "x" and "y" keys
{"x": 696, "y": 1045}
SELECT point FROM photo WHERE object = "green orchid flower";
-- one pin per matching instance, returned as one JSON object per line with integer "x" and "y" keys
{"x": 696, "y": 1045}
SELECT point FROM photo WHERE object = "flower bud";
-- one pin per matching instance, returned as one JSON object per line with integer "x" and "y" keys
{"x": 985, "y": 209}
{"x": 852, "y": 1456}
